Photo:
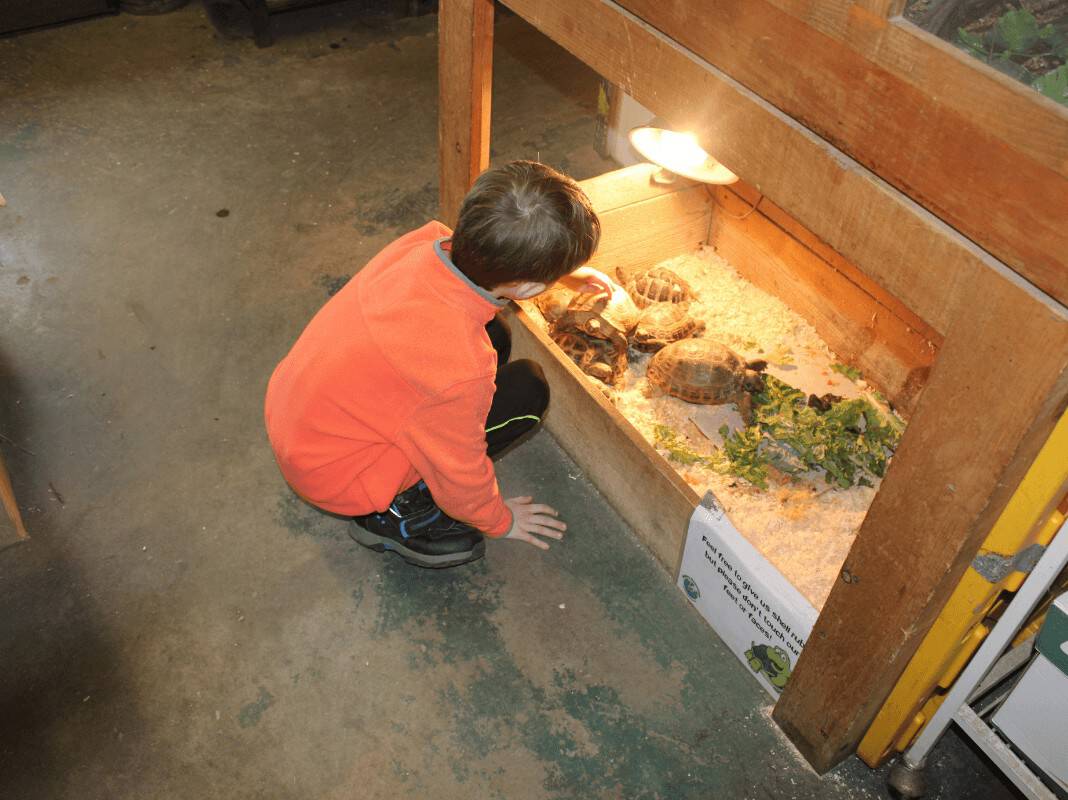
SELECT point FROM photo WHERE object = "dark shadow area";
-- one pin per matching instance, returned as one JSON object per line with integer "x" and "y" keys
{"x": 318, "y": 31}
{"x": 541, "y": 56}
{"x": 290, "y": 20}
{"x": 60, "y": 668}
{"x": 58, "y": 658}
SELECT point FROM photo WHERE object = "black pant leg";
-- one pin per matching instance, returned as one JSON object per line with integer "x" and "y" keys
{"x": 501, "y": 339}
{"x": 518, "y": 404}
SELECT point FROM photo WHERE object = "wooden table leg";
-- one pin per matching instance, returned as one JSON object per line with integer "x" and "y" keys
{"x": 7, "y": 496}
{"x": 261, "y": 24}
{"x": 465, "y": 80}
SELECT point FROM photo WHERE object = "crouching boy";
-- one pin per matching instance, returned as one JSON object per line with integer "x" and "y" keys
{"x": 399, "y": 392}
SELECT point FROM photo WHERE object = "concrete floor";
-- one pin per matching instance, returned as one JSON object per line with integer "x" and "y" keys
{"x": 180, "y": 625}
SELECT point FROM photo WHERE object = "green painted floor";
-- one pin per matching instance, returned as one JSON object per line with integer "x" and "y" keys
{"x": 180, "y": 625}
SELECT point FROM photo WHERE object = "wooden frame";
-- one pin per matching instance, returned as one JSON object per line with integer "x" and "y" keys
{"x": 645, "y": 223}
{"x": 465, "y": 67}
{"x": 1000, "y": 379}
{"x": 983, "y": 152}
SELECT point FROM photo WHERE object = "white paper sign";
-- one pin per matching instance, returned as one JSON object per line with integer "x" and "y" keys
{"x": 757, "y": 613}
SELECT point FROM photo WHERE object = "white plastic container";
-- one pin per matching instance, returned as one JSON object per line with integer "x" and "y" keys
{"x": 1034, "y": 717}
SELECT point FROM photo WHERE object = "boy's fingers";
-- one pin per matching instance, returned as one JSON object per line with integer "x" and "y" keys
{"x": 535, "y": 541}
{"x": 541, "y": 508}
{"x": 549, "y": 522}
{"x": 541, "y": 530}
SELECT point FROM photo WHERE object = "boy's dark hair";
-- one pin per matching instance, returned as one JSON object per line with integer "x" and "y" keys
{"x": 523, "y": 221}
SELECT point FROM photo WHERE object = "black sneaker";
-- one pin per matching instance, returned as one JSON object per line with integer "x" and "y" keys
{"x": 414, "y": 501}
{"x": 424, "y": 536}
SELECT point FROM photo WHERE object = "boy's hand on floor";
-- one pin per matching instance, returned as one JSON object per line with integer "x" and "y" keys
{"x": 531, "y": 520}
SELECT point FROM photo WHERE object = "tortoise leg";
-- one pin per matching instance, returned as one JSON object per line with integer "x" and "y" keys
{"x": 650, "y": 390}
{"x": 601, "y": 372}
{"x": 745, "y": 408}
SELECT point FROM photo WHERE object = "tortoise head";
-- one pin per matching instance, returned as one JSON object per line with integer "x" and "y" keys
{"x": 754, "y": 380}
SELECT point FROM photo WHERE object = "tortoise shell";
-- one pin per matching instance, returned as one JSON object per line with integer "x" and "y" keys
{"x": 704, "y": 371}
{"x": 553, "y": 302}
{"x": 663, "y": 323}
{"x": 655, "y": 285}
{"x": 602, "y": 315}
{"x": 599, "y": 358}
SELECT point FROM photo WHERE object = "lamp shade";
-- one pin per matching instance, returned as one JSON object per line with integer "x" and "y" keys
{"x": 678, "y": 153}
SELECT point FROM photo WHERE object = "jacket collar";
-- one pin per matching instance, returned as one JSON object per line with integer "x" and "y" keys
{"x": 465, "y": 292}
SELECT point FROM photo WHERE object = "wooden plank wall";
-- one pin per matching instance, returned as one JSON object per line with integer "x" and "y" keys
{"x": 995, "y": 393}
{"x": 642, "y": 223}
{"x": 983, "y": 152}
{"x": 910, "y": 255}
{"x": 677, "y": 221}
{"x": 860, "y": 322}
{"x": 636, "y": 480}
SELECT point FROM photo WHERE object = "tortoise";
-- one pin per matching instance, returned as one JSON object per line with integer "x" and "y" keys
{"x": 663, "y": 323}
{"x": 602, "y": 359}
{"x": 655, "y": 285}
{"x": 707, "y": 372}
{"x": 602, "y": 316}
{"x": 553, "y": 302}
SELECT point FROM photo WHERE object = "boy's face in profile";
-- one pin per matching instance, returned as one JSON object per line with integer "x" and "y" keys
{"x": 520, "y": 290}
{"x": 582, "y": 280}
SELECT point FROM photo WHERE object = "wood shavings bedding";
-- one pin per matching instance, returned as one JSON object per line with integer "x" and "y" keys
{"x": 803, "y": 526}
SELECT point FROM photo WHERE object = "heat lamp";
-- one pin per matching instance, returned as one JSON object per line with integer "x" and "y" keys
{"x": 677, "y": 154}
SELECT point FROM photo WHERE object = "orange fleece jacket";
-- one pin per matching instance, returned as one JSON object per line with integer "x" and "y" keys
{"x": 392, "y": 382}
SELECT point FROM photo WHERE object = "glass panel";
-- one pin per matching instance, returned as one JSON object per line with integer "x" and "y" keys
{"x": 1026, "y": 39}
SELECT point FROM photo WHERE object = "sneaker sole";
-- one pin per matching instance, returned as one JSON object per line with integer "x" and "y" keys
{"x": 382, "y": 544}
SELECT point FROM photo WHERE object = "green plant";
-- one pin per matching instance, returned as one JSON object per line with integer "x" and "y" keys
{"x": 740, "y": 455}
{"x": 1054, "y": 84}
{"x": 1017, "y": 45}
{"x": 781, "y": 355}
{"x": 851, "y": 443}
{"x": 852, "y": 373}
{"x": 745, "y": 457}
{"x": 677, "y": 450}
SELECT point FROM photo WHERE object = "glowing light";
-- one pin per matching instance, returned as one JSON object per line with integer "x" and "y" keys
{"x": 681, "y": 150}
{"x": 679, "y": 153}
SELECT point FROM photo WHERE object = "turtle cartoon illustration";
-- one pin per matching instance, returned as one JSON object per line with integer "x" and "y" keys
{"x": 772, "y": 661}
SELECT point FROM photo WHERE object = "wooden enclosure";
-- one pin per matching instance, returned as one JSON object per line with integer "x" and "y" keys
{"x": 867, "y": 141}
{"x": 644, "y": 223}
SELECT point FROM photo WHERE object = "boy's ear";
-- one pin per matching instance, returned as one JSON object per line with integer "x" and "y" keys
{"x": 521, "y": 290}
{"x": 529, "y": 289}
